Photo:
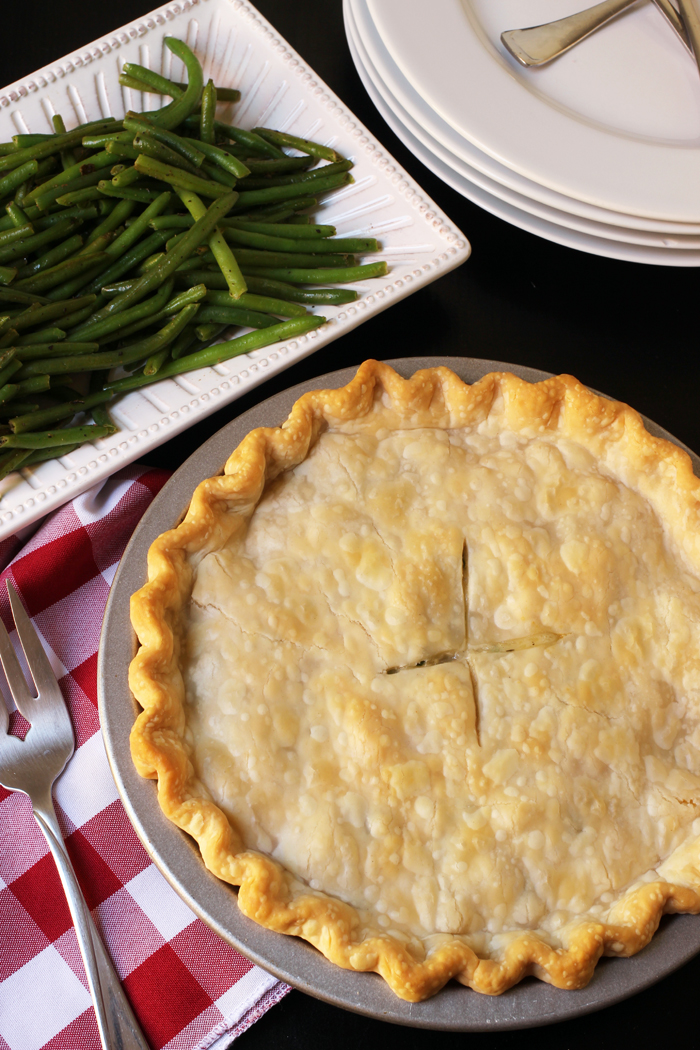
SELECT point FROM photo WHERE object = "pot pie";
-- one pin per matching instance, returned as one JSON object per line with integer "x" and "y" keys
{"x": 420, "y": 673}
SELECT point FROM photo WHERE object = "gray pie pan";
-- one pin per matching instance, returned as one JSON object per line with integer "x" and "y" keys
{"x": 454, "y": 1008}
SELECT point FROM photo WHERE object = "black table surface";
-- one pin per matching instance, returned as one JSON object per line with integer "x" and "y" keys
{"x": 623, "y": 328}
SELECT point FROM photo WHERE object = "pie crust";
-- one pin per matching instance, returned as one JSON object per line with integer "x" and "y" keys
{"x": 420, "y": 673}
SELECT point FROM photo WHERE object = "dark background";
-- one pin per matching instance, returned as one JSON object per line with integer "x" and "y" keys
{"x": 623, "y": 328}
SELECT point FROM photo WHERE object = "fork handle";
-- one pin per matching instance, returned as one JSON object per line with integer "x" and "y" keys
{"x": 118, "y": 1027}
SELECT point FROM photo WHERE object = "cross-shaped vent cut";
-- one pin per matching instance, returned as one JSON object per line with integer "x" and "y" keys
{"x": 507, "y": 645}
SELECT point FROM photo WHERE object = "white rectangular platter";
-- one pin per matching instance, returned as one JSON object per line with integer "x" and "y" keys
{"x": 238, "y": 48}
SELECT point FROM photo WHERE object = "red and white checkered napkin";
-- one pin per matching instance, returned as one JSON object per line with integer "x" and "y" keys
{"x": 188, "y": 988}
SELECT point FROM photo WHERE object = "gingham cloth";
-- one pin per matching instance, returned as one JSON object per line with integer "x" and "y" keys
{"x": 188, "y": 988}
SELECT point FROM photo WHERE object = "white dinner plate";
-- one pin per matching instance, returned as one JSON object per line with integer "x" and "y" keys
{"x": 238, "y": 47}
{"x": 683, "y": 242}
{"x": 571, "y": 238}
{"x": 615, "y": 122}
{"x": 445, "y": 138}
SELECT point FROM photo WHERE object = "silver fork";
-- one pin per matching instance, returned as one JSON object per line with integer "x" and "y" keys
{"x": 32, "y": 765}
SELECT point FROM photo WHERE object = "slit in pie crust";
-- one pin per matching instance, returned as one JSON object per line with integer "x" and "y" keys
{"x": 420, "y": 673}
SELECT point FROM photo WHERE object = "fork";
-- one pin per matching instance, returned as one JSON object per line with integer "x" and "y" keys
{"x": 540, "y": 44}
{"x": 31, "y": 766}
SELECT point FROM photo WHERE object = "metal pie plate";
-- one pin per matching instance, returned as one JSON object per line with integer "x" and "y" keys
{"x": 454, "y": 1008}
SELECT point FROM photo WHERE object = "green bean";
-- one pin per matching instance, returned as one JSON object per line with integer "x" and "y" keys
{"x": 298, "y": 220}
{"x": 192, "y": 295}
{"x": 178, "y": 111}
{"x": 270, "y": 166}
{"x": 281, "y": 229}
{"x": 231, "y": 164}
{"x": 149, "y": 262}
{"x": 67, "y": 155}
{"x": 214, "y": 355}
{"x": 36, "y": 314}
{"x": 69, "y": 268}
{"x": 295, "y": 275}
{"x": 15, "y": 407}
{"x": 37, "y": 384}
{"x": 8, "y": 337}
{"x": 184, "y": 147}
{"x": 119, "y": 214}
{"x": 7, "y": 274}
{"x": 43, "y": 335}
{"x": 161, "y": 86}
{"x": 207, "y": 333}
{"x": 301, "y": 176}
{"x": 98, "y": 329}
{"x": 251, "y": 198}
{"x": 122, "y": 149}
{"x": 17, "y": 233}
{"x": 10, "y": 182}
{"x": 263, "y": 303}
{"x": 38, "y": 240}
{"x": 149, "y": 146}
{"x": 13, "y": 461}
{"x": 192, "y": 239}
{"x": 7, "y": 392}
{"x": 102, "y": 141}
{"x": 9, "y": 371}
{"x": 127, "y": 261}
{"x": 82, "y": 315}
{"x": 178, "y": 178}
{"x": 247, "y": 257}
{"x": 76, "y": 171}
{"x": 38, "y": 152}
{"x": 156, "y": 361}
{"x": 278, "y": 212}
{"x": 7, "y": 355}
{"x": 207, "y": 113}
{"x": 17, "y": 216}
{"x": 314, "y": 149}
{"x": 317, "y": 296}
{"x": 53, "y": 256}
{"x": 174, "y": 222}
{"x": 127, "y": 176}
{"x": 40, "y": 455}
{"x": 61, "y": 193}
{"x": 100, "y": 415}
{"x": 229, "y": 315}
{"x": 56, "y": 438}
{"x": 219, "y": 174}
{"x": 217, "y": 244}
{"x": 22, "y": 141}
{"x": 349, "y": 245}
{"x": 36, "y": 352}
{"x": 249, "y": 139}
{"x": 129, "y": 193}
{"x": 92, "y": 193}
{"x": 43, "y": 417}
{"x": 43, "y": 222}
{"x": 183, "y": 342}
{"x": 12, "y": 295}
{"x": 134, "y": 232}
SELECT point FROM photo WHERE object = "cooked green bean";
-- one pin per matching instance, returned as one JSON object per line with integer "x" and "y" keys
{"x": 301, "y": 176}
{"x": 13, "y": 461}
{"x": 314, "y": 149}
{"x": 149, "y": 146}
{"x": 184, "y": 341}
{"x": 65, "y": 178}
{"x": 282, "y": 229}
{"x": 53, "y": 256}
{"x": 214, "y": 355}
{"x": 17, "y": 215}
{"x": 37, "y": 314}
{"x": 92, "y": 193}
{"x": 17, "y": 233}
{"x": 9, "y": 370}
{"x": 12, "y": 295}
{"x": 262, "y": 303}
{"x": 13, "y": 408}
{"x": 7, "y": 274}
{"x": 161, "y": 86}
{"x": 251, "y": 198}
{"x": 349, "y": 245}
{"x": 178, "y": 178}
{"x": 316, "y": 296}
{"x": 178, "y": 110}
{"x": 37, "y": 351}
{"x": 231, "y": 164}
{"x": 43, "y": 335}
{"x": 67, "y": 155}
{"x": 278, "y": 165}
{"x": 98, "y": 329}
{"x": 129, "y": 193}
{"x": 249, "y": 139}
{"x": 119, "y": 214}
{"x": 217, "y": 243}
{"x": 56, "y": 438}
{"x": 258, "y": 258}
{"x": 36, "y": 384}
{"x": 67, "y": 269}
{"x": 230, "y": 315}
{"x": 319, "y": 276}
{"x": 142, "y": 126}
{"x": 43, "y": 417}
{"x": 37, "y": 240}
{"x": 10, "y": 182}
{"x": 7, "y": 392}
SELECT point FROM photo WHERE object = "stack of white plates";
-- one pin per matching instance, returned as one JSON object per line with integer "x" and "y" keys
{"x": 599, "y": 150}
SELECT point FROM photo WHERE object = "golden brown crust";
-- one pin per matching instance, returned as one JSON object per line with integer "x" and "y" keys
{"x": 378, "y": 397}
